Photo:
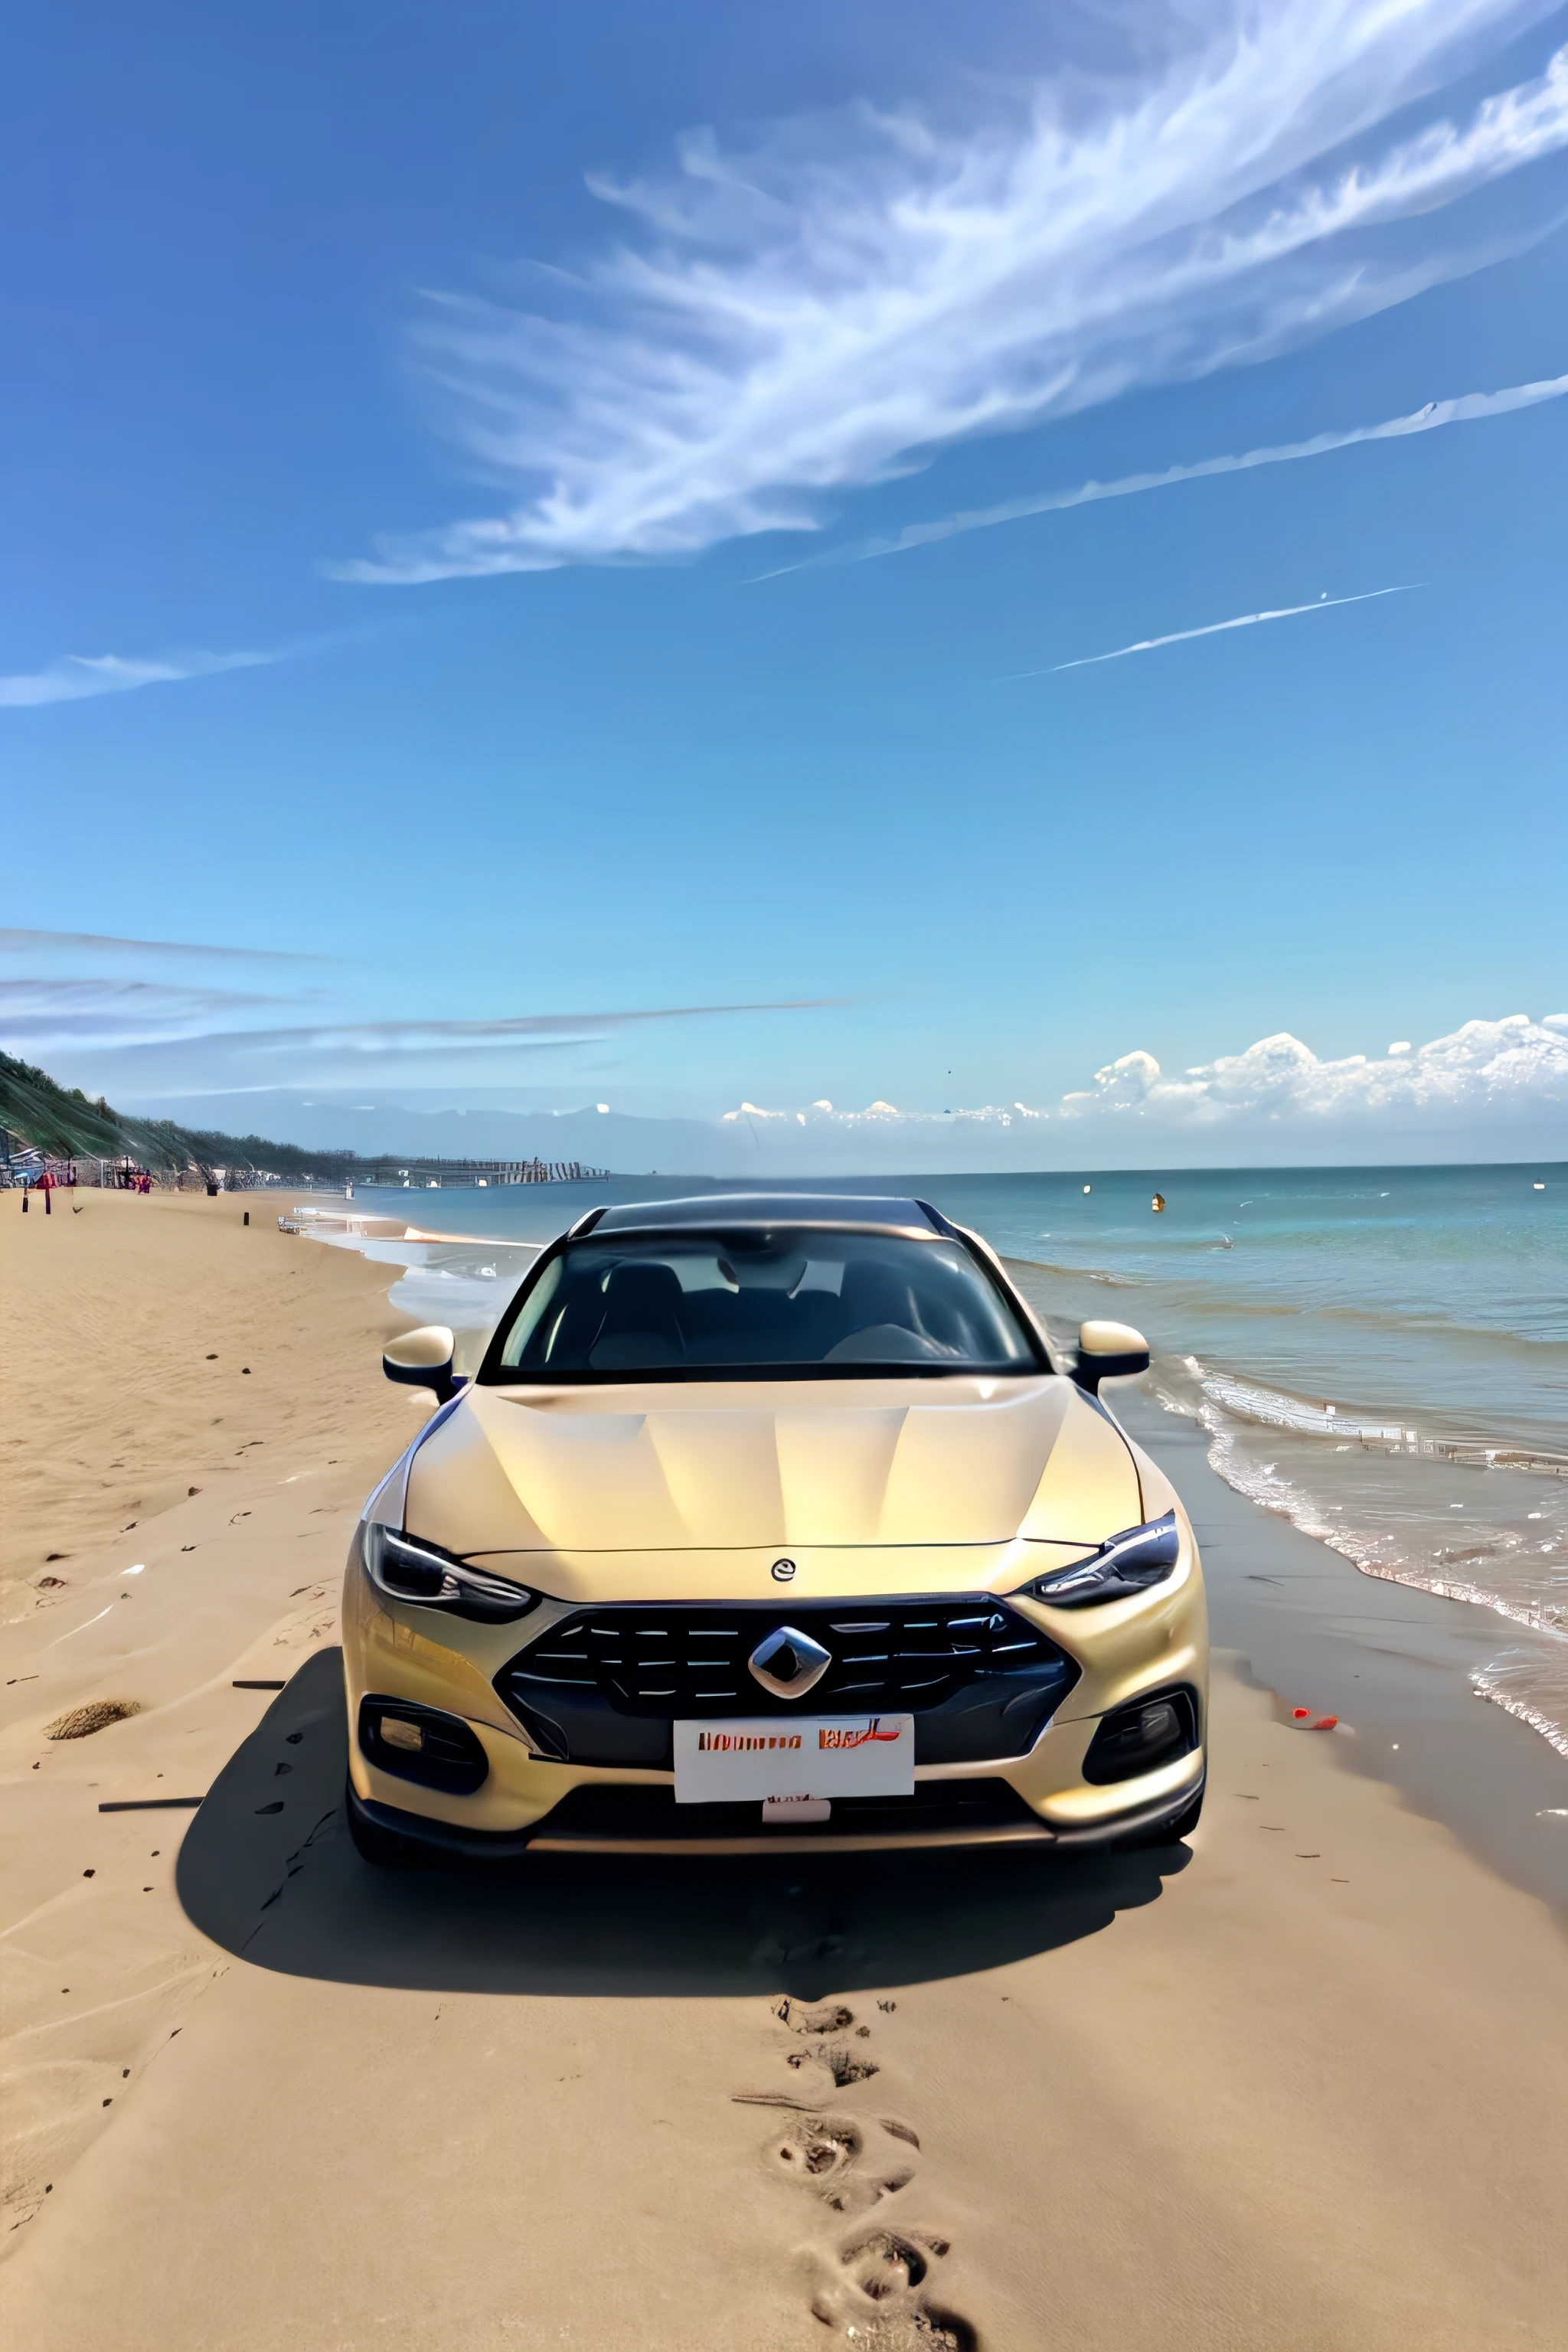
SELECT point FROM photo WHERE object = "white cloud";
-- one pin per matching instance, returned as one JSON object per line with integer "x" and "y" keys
{"x": 78, "y": 677}
{"x": 1325, "y": 603}
{"x": 37, "y": 1016}
{"x": 169, "y": 1034}
{"x": 1469, "y": 409}
{"x": 1485, "y": 1070}
{"x": 1487, "y": 1073}
{"x": 816, "y": 313}
{"x": 15, "y": 941}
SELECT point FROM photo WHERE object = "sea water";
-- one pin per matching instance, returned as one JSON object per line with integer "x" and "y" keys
{"x": 1379, "y": 1354}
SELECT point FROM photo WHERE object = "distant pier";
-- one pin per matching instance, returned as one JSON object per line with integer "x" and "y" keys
{"x": 435, "y": 1175}
{"x": 23, "y": 1164}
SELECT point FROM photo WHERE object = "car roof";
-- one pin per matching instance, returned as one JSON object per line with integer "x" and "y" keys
{"x": 769, "y": 1211}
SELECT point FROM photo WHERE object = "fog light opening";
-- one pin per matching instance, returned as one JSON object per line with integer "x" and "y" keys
{"x": 1141, "y": 1737}
{"x": 422, "y": 1743}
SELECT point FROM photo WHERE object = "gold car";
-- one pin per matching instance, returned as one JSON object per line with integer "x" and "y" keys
{"x": 770, "y": 1522}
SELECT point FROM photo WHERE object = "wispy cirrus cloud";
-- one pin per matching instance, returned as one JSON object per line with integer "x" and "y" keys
{"x": 407, "y": 1037}
{"x": 825, "y": 309}
{"x": 15, "y": 941}
{"x": 1325, "y": 603}
{"x": 1471, "y": 407}
{"x": 37, "y": 1016}
{"x": 77, "y": 677}
{"x": 220, "y": 1037}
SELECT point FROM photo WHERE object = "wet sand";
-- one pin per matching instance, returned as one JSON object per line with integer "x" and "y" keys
{"x": 1391, "y": 1660}
{"x": 1300, "y": 2085}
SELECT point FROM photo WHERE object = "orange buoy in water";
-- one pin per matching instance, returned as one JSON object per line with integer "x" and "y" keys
{"x": 1158, "y": 1202}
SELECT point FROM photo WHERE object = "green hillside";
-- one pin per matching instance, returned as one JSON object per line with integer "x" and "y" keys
{"x": 67, "y": 1125}
{"x": 41, "y": 1113}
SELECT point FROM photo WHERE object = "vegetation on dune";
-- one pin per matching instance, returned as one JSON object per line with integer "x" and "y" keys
{"x": 66, "y": 1124}
{"x": 63, "y": 1123}
{"x": 53, "y": 1118}
{"x": 80, "y": 1722}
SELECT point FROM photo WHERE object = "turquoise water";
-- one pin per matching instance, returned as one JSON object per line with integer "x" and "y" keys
{"x": 1380, "y": 1354}
{"x": 1434, "y": 1292}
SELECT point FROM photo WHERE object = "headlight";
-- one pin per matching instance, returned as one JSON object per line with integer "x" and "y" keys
{"x": 405, "y": 1569}
{"x": 1129, "y": 1562}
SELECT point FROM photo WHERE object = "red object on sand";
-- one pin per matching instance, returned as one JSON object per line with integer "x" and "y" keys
{"x": 1325, "y": 1723}
{"x": 1299, "y": 1714}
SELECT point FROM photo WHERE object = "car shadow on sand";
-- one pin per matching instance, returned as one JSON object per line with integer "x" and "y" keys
{"x": 268, "y": 1871}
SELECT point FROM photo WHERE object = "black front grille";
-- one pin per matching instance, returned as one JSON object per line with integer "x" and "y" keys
{"x": 603, "y": 1686}
{"x": 908, "y": 1656}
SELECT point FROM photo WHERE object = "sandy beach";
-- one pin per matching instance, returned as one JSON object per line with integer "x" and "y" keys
{"x": 1300, "y": 2086}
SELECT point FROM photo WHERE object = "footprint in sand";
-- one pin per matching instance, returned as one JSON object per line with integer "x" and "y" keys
{"x": 878, "y": 2297}
{"x": 874, "y": 2284}
{"x": 844, "y": 2065}
{"x": 813, "y": 2018}
{"x": 814, "y": 2151}
{"x": 851, "y": 2168}
{"x": 884, "y": 2265}
{"x": 913, "y": 2331}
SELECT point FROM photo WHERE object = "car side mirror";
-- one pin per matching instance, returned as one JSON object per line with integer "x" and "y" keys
{"x": 423, "y": 1359}
{"x": 1109, "y": 1352}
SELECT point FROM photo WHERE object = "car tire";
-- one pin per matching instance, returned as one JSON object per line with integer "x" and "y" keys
{"x": 384, "y": 1848}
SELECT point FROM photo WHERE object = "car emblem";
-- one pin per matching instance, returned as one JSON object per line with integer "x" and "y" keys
{"x": 782, "y": 1571}
{"x": 789, "y": 1663}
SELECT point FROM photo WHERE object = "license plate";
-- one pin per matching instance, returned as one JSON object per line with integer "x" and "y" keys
{"x": 807, "y": 1758}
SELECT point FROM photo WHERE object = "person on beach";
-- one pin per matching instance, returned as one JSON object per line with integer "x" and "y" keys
{"x": 46, "y": 1185}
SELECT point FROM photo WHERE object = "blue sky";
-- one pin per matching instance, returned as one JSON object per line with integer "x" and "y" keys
{"x": 444, "y": 450}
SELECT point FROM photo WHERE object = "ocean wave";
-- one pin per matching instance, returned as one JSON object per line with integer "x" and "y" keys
{"x": 1251, "y": 1400}
{"x": 1501, "y": 1682}
{"x": 1531, "y": 1684}
{"x": 1275, "y": 1409}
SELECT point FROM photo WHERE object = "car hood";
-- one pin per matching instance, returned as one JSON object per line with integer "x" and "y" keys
{"x": 779, "y": 1465}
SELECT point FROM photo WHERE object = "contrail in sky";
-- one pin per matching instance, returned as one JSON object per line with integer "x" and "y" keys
{"x": 1469, "y": 409}
{"x": 1325, "y": 603}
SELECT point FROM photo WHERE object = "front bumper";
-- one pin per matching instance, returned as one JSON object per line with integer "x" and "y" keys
{"x": 528, "y": 1803}
{"x": 661, "y": 1828}
{"x": 1127, "y": 1651}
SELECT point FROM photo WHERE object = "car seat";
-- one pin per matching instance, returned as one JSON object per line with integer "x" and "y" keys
{"x": 641, "y": 1330}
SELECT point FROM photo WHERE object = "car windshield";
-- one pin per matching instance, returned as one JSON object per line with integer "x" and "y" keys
{"x": 746, "y": 1304}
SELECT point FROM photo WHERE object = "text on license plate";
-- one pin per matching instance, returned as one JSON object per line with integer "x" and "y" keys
{"x": 815, "y": 1755}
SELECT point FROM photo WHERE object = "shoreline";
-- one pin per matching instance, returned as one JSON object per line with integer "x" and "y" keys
{"x": 1300, "y": 2082}
{"x": 1390, "y": 1659}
